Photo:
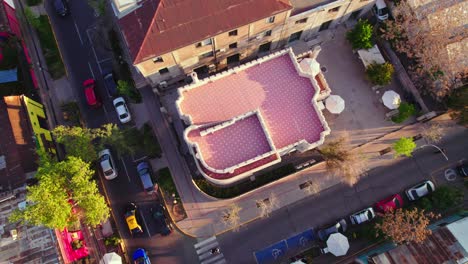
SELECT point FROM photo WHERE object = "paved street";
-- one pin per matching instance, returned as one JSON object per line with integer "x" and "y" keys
{"x": 341, "y": 200}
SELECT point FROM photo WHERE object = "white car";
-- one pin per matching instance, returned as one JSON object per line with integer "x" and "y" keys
{"x": 122, "y": 110}
{"x": 107, "y": 164}
{"x": 362, "y": 216}
{"x": 420, "y": 190}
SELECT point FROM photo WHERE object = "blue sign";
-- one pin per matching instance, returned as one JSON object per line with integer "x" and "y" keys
{"x": 271, "y": 253}
{"x": 301, "y": 241}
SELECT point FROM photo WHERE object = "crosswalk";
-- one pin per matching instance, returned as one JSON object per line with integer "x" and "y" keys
{"x": 205, "y": 256}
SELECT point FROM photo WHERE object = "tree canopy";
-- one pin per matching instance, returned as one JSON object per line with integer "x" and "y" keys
{"x": 66, "y": 192}
{"x": 404, "y": 147}
{"x": 361, "y": 35}
{"x": 78, "y": 141}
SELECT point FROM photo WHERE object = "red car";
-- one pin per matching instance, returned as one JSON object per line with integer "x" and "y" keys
{"x": 90, "y": 93}
{"x": 390, "y": 203}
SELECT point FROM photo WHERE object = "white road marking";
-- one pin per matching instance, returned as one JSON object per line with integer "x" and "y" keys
{"x": 104, "y": 60}
{"x": 125, "y": 167}
{"x": 94, "y": 51}
{"x": 146, "y": 226}
{"x": 140, "y": 159}
{"x": 78, "y": 31}
{"x": 91, "y": 70}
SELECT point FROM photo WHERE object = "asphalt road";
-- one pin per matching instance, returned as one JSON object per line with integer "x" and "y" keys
{"x": 84, "y": 59}
{"x": 340, "y": 201}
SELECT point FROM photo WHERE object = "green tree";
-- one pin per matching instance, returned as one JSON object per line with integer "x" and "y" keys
{"x": 78, "y": 141}
{"x": 445, "y": 197}
{"x": 361, "y": 35}
{"x": 405, "y": 110}
{"x": 404, "y": 146}
{"x": 65, "y": 193}
{"x": 458, "y": 104}
{"x": 380, "y": 74}
{"x": 124, "y": 88}
{"x": 111, "y": 134}
{"x": 99, "y": 6}
{"x": 32, "y": 18}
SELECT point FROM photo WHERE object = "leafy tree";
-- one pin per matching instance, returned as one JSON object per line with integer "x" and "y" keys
{"x": 124, "y": 88}
{"x": 432, "y": 133}
{"x": 403, "y": 226}
{"x": 404, "y": 146}
{"x": 65, "y": 193}
{"x": 78, "y": 141}
{"x": 340, "y": 160}
{"x": 380, "y": 74}
{"x": 268, "y": 205}
{"x": 446, "y": 197}
{"x": 99, "y": 6}
{"x": 458, "y": 104}
{"x": 361, "y": 35}
{"x": 405, "y": 110}
{"x": 32, "y": 18}
{"x": 231, "y": 216}
{"x": 111, "y": 134}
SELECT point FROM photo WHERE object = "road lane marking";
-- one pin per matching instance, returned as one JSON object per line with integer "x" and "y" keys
{"x": 104, "y": 60}
{"x": 91, "y": 70}
{"x": 94, "y": 51}
{"x": 78, "y": 31}
{"x": 144, "y": 222}
{"x": 125, "y": 167}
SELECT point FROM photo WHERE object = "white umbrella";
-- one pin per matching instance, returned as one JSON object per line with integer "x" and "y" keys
{"x": 335, "y": 104}
{"x": 338, "y": 244}
{"x": 391, "y": 99}
{"x": 311, "y": 66}
{"x": 111, "y": 258}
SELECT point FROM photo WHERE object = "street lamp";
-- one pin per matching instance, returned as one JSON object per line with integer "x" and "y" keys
{"x": 439, "y": 149}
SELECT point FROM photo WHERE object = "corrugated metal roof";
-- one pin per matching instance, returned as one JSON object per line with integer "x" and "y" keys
{"x": 160, "y": 26}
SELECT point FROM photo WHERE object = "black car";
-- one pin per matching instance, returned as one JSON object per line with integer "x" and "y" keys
{"x": 164, "y": 227}
{"x": 339, "y": 227}
{"x": 463, "y": 169}
{"x": 61, "y": 7}
{"x": 109, "y": 83}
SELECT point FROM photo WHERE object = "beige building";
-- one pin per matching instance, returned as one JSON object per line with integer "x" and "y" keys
{"x": 167, "y": 39}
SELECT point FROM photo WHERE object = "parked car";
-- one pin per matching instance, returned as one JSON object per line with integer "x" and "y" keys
{"x": 144, "y": 171}
{"x": 90, "y": 93}
{"x": 164, "y": 226}
{"x": 109, "y": 83}
{"x": 339, "y": 227}
{"x": 380, "y": 10}
{"x": 107, "y": 164}
{"x": 140, "y": 257}
{"x": 362, "y": 216}
{"x": 390, "y": 203}
{"x": 122, "y": 110}
{"x": 61, "y": 7}
{"x": 132, "y": 222}
{"x": 463, "y": 169}
{"x": 420, "y": 190}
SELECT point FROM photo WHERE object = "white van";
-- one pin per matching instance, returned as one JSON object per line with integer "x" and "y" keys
{"x": 380, "y": 10}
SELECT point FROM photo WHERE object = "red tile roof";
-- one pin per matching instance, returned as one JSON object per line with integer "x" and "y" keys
{"x": 160, "y": 26}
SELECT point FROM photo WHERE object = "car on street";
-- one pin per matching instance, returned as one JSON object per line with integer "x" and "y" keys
{"x": 463, "y": 169}
{"x": 109, "y": 83}
{"x": 389, "y": 204}
{"x": 420, "y": 190}
{"x": 164, "y": 226}
{"x": 380, "y": 10}
{"x": 107, "y": 164}
{"x": 362, "y": 216}
{"x": 144, "y": 171}
{"x": 140, "y": 257}
{"x": 338, "y": 227}
{"x": 122, "y": 110}
{"x": 131, "y": 219}
{"x": 61, "y": 7}
{"x": 90, "y": 93}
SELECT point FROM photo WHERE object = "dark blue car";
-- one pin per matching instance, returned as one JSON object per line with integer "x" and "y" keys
{"x": 164, "y": 227}
{"x": 140, "y": 257}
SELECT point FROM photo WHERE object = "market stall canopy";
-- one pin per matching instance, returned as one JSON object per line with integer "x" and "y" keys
{"x": 391, "y": 99}
{"x": 338, "y": 244}
{"x": 311, "y": 66}
{"x": 335, "y": 104}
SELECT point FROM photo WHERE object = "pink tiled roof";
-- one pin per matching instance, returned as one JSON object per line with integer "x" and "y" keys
{"x": 160, "y": 26}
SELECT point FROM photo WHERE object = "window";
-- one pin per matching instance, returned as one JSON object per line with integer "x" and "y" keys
{"x": 270, "y": 19}
{"x": 233, "y": 45}
{"x": 334, "y": 9}
{"x": 267, "y": 33}
{"x": 295, "y": 36}
{"x": 233, "y": 33}
{"x": 301, "y": 21}
{"x": 325, "y": 25}
{"x": 206, "y": 55}
{"x": 205, "y": 42}
{"x": 163, "y": 71}
{"x": 158, "y": 59}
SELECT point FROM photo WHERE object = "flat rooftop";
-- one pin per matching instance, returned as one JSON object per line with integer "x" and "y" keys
{"x": 251, "y": 112}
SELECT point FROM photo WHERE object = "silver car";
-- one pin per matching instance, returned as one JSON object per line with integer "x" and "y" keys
{"x": 362, "y": 216}
{"x": 107, "y": 164}
{"x": 420, "y": 190}
{"x": 122, "y": 110}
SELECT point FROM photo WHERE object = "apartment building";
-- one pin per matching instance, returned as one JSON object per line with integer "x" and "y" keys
{"x": 167, "y": 39}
